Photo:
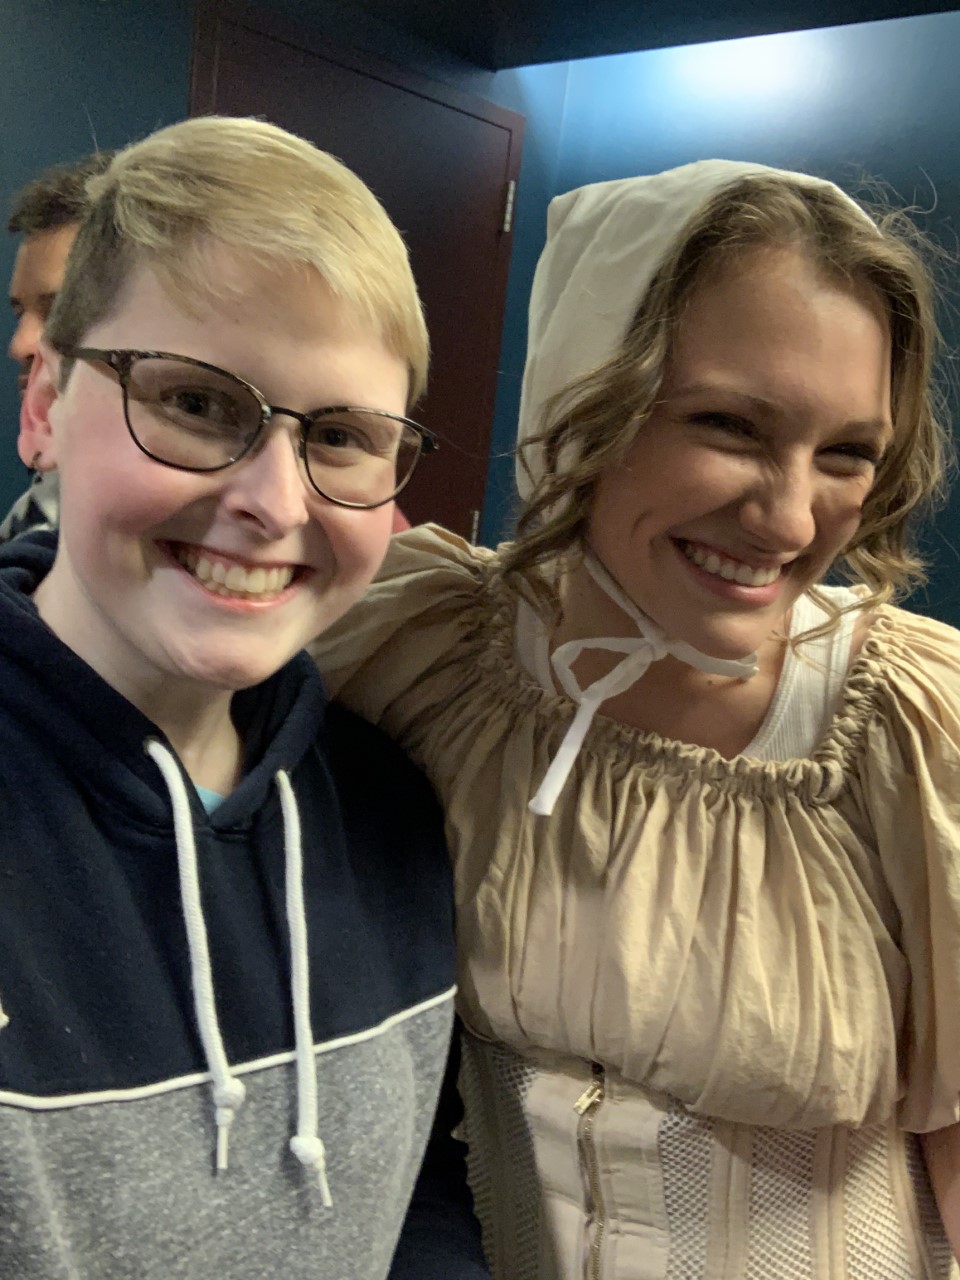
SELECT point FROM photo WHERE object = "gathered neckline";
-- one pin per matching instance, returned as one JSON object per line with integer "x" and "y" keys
{"x": 818, "y": 777}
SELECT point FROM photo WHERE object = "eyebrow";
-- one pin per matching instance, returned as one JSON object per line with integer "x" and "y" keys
{"x": 45, "y": 298}
{"x": 770, "y": 409}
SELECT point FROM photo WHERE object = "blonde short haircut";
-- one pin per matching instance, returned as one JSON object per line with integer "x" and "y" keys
{"x": 248, "y": 185}
{"x": 591, "y": 423}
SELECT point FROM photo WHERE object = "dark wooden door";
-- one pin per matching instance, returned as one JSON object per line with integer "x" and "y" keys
{"x": 444, "y": 165}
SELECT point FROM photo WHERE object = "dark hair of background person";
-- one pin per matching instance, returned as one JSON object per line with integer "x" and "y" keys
{"x": 56, "y": 197}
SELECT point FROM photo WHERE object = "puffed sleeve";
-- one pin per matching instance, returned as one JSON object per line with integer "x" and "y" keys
{"x": 400, "y": 654}
{"x": 910, "y": 779}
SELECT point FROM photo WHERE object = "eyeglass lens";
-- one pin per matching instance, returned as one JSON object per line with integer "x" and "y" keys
{"x": 202, "y": 420}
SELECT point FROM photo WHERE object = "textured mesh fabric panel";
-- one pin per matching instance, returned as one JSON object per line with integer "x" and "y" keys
{"x": 938, "y": 1247}
{"x": 779, "y": 1242}
{"x": 781, "y": 1186}
{"x": 500, "y": 1161}
{"x": 876, "y": 1249}
{"x": 685, "y": 1144}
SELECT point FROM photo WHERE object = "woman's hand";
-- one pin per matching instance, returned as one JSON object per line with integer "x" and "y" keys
{"x": 942, "y": 1151}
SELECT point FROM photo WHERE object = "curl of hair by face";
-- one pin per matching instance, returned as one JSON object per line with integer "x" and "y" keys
{"x": 621, "y": 259}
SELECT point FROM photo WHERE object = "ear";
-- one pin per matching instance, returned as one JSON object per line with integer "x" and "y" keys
{"x": 36, "y": 443}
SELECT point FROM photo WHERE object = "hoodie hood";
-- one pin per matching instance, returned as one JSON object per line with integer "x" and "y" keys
{"x": 194, "y": 1001}
{"x": 85, "y": 720}
{"x": 89, "y": 724}
{"x": 605, "y": 243}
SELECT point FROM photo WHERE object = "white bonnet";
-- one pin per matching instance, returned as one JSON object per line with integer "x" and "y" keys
{"x": 605, "y": 243}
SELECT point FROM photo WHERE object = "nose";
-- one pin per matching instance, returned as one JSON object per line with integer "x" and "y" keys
{"x": 267, "y": 488}
{"x": 779, "y": 514}
{"x": 23, "y": 344}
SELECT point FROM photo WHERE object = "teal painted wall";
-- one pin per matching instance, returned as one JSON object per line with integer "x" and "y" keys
{"x": 75, "y": 74}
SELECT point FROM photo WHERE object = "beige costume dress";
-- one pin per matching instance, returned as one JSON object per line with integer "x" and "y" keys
{"x": 710, "y": 1002}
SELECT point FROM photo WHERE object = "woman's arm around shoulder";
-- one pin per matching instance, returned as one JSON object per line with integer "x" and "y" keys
{"x": 415, "y": 615}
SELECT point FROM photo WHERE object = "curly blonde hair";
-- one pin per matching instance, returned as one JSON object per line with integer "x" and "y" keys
{"x": 592, "y": 422}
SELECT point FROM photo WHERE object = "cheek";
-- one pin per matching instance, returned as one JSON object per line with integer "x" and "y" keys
{"x": 659, "y": 498}
{"x": 104, "y": 476}
{"x": 133, "y": 501}
{"x": 358, "y": 540}
{"x": 843, "y": 512}
{"x": 838, "y": 518}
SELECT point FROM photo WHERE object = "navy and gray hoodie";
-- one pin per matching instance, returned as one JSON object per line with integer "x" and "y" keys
{"x": 224, "y": 1037}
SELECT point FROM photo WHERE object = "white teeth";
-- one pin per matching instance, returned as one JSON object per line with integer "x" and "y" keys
{"x": 234, "y": 580}
{"x": 729, "y": 570}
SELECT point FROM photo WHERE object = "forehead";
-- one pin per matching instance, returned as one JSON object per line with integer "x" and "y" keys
{"x": 227, "y": 296}
{"x": 776, "y": 304}
{"x": 775, "y": 336}
{"x": 41, "y": 262}
{"x": 280, "y": 328}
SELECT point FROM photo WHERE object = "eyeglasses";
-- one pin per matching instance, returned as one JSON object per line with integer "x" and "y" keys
{"x": 193, "y": 416}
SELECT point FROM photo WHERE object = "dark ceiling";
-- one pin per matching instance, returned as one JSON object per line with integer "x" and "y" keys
{"x": 512, "y": 33}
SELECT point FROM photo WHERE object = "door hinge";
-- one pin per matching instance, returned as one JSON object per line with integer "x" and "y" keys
{"x": 508, "y": 206}
{"x": 474, "y": 525}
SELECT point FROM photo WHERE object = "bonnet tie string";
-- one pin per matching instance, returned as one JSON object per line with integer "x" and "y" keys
{"x": 640, "y": 651}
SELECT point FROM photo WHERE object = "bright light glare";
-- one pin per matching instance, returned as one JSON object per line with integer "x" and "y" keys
{"x": 756, "y": 67}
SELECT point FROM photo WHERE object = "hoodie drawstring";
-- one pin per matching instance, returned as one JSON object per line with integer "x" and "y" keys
{"x": 306, "y": 1143}
{"x": 228, "y": 1091}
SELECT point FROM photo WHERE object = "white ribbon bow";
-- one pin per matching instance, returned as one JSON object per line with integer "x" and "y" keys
{"x": 650, "y": 646}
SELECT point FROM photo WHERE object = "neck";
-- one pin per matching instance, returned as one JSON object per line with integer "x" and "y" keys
{"x": 194, "y": 715}
{"x": 197, "y": 722}
{"x": 672, "y": 698}
{"x": 205, "y": 739}
{"x": 587, "y": 610}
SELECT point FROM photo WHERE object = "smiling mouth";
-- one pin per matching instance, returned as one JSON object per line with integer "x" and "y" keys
{"x": 730, "y": 570}
{"x": 228, "y": 578}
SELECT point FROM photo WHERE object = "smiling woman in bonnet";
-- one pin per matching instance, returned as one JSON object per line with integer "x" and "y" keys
{"x": 702, "y": 806}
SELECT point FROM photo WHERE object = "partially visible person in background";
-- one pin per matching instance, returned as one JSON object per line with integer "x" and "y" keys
{"x": 47, "y": 214}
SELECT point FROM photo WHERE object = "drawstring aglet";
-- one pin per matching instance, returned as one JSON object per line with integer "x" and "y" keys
{"x": 312, "y": 1154}
{"x": 228, "y": 1099}
{"x": 224, "y": 1121}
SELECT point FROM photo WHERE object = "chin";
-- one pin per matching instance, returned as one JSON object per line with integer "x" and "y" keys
{"x": 232, "y": 676}
{"x": 732, "y": 648}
